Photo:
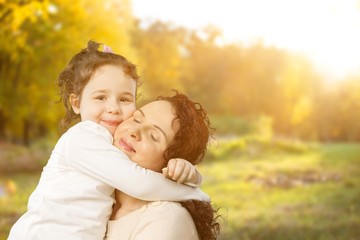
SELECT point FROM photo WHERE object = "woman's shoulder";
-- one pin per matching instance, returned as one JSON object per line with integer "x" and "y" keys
{"x": 172, "y": 210}
{"x": 169, "y": 220}
{"x": 168, "y": 205}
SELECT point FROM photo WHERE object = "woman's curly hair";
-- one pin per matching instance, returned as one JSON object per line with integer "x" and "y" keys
{"x": 190, "y": 143}
{"x": 205, "y": 218}
{"x": 81, "y": 68}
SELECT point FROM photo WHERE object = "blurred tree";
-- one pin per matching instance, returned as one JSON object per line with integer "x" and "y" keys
{"x": 351, "y": 109}
{"x": 38, "y": 39}
{"x": 207, "y": 68}
{"x": 254, "y": 87}
{"x": 13, "y": 48}
{"x": 338, "y": 112}
{"x": 298, "y": 83}
{"x": 159, "y": 48}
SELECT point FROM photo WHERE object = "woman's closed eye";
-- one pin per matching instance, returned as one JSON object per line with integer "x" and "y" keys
{"x": 137, "y": 117}
{"x": 154, "y": 137}
{"x": 136, "y": 120}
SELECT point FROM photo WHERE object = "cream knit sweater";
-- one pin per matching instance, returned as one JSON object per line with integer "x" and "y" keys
{"x": 159, "y": 220}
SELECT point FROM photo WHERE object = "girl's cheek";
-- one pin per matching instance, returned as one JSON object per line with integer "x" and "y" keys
{"x": 128, "y": 112}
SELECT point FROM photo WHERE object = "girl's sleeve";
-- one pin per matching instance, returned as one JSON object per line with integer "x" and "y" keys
{"x": 89, "y": 150}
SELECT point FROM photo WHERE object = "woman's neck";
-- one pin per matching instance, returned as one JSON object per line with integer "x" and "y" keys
{"x": 125, "y": 204}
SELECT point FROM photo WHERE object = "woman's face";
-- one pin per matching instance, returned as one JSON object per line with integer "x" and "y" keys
{"x": 146, "y": 135}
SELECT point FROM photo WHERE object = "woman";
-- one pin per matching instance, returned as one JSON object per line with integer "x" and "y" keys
{"x": 172, "y": 127}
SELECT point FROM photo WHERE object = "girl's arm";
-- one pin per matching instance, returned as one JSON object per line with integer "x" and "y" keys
{"x": 90, "y": 151}
{"x": 182, "y": 171}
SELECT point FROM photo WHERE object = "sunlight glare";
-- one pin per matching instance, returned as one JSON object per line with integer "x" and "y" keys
{"x": 326, "y": 31}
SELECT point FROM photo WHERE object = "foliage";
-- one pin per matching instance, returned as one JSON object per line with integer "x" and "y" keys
{"x": 160, "y": 61}
{"x": 244, "y": 83}
{"x": 336, "y": 114}
{"x": 35, "y": 34}
{"x": 236, "y": 82}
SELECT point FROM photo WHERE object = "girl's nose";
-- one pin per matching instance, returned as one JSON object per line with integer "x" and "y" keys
{"x": 112, "y": 108}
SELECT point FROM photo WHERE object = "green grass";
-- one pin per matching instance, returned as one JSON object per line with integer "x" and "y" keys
{"x": 278, "y": 195}
{"x": 279, "y": 191}
{"x": 14, "y": 193}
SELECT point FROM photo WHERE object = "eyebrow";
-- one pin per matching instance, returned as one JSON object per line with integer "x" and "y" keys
{"x": 104, "y": 90}
{"x": 156, "y": 126}
{"x": 100, "y": 90}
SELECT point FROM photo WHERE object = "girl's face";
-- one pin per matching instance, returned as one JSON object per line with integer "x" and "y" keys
{"x": 107, "y": 99}
{"x": 147, "y": 134}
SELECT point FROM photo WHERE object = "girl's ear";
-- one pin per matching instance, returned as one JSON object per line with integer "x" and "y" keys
{"x": 75, "y": 103}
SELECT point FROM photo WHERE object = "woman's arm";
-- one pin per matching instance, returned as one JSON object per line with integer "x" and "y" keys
{"x": 90, "y": 151}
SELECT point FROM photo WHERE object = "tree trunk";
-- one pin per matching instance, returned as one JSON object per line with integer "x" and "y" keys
{"x": 26, "y": 132}
{"x": 2, "y": 125}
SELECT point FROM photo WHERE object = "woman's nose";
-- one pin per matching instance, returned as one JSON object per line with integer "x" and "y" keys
{"x": 136, "y": 133}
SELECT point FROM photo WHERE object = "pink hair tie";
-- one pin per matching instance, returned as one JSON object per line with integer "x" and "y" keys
{"x": 107, "y": 49}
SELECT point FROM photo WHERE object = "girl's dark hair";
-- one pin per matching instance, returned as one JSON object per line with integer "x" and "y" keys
{"x": 190, "y": 143}
{"x": 79, "y": 71}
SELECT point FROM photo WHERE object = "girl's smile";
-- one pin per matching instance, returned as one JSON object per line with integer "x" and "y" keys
{"x": 111, "y": 122}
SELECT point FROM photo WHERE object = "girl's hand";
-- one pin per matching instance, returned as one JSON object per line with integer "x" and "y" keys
{"x": 182, "y": 171}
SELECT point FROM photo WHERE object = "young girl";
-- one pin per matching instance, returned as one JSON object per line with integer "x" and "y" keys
{"x": 74, "y": 197}
{"x": 150, "y": 140}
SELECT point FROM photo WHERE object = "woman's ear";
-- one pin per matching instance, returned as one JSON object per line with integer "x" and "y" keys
{"x": 75, "y": 103}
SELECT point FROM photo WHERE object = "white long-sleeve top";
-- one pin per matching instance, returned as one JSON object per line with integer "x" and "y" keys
{"x": 74, "y": 196}
{"x": 159, "y": 220}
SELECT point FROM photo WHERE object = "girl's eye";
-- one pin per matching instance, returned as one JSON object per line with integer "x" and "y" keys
{"x": 124, "y": 99}
{"x": 100, "y": 97}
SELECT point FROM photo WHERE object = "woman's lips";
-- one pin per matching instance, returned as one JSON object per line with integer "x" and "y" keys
{"x": 126, "y": 146}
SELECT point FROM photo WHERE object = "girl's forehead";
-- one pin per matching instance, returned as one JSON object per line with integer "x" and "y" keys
{"x": 112, "y": 76}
